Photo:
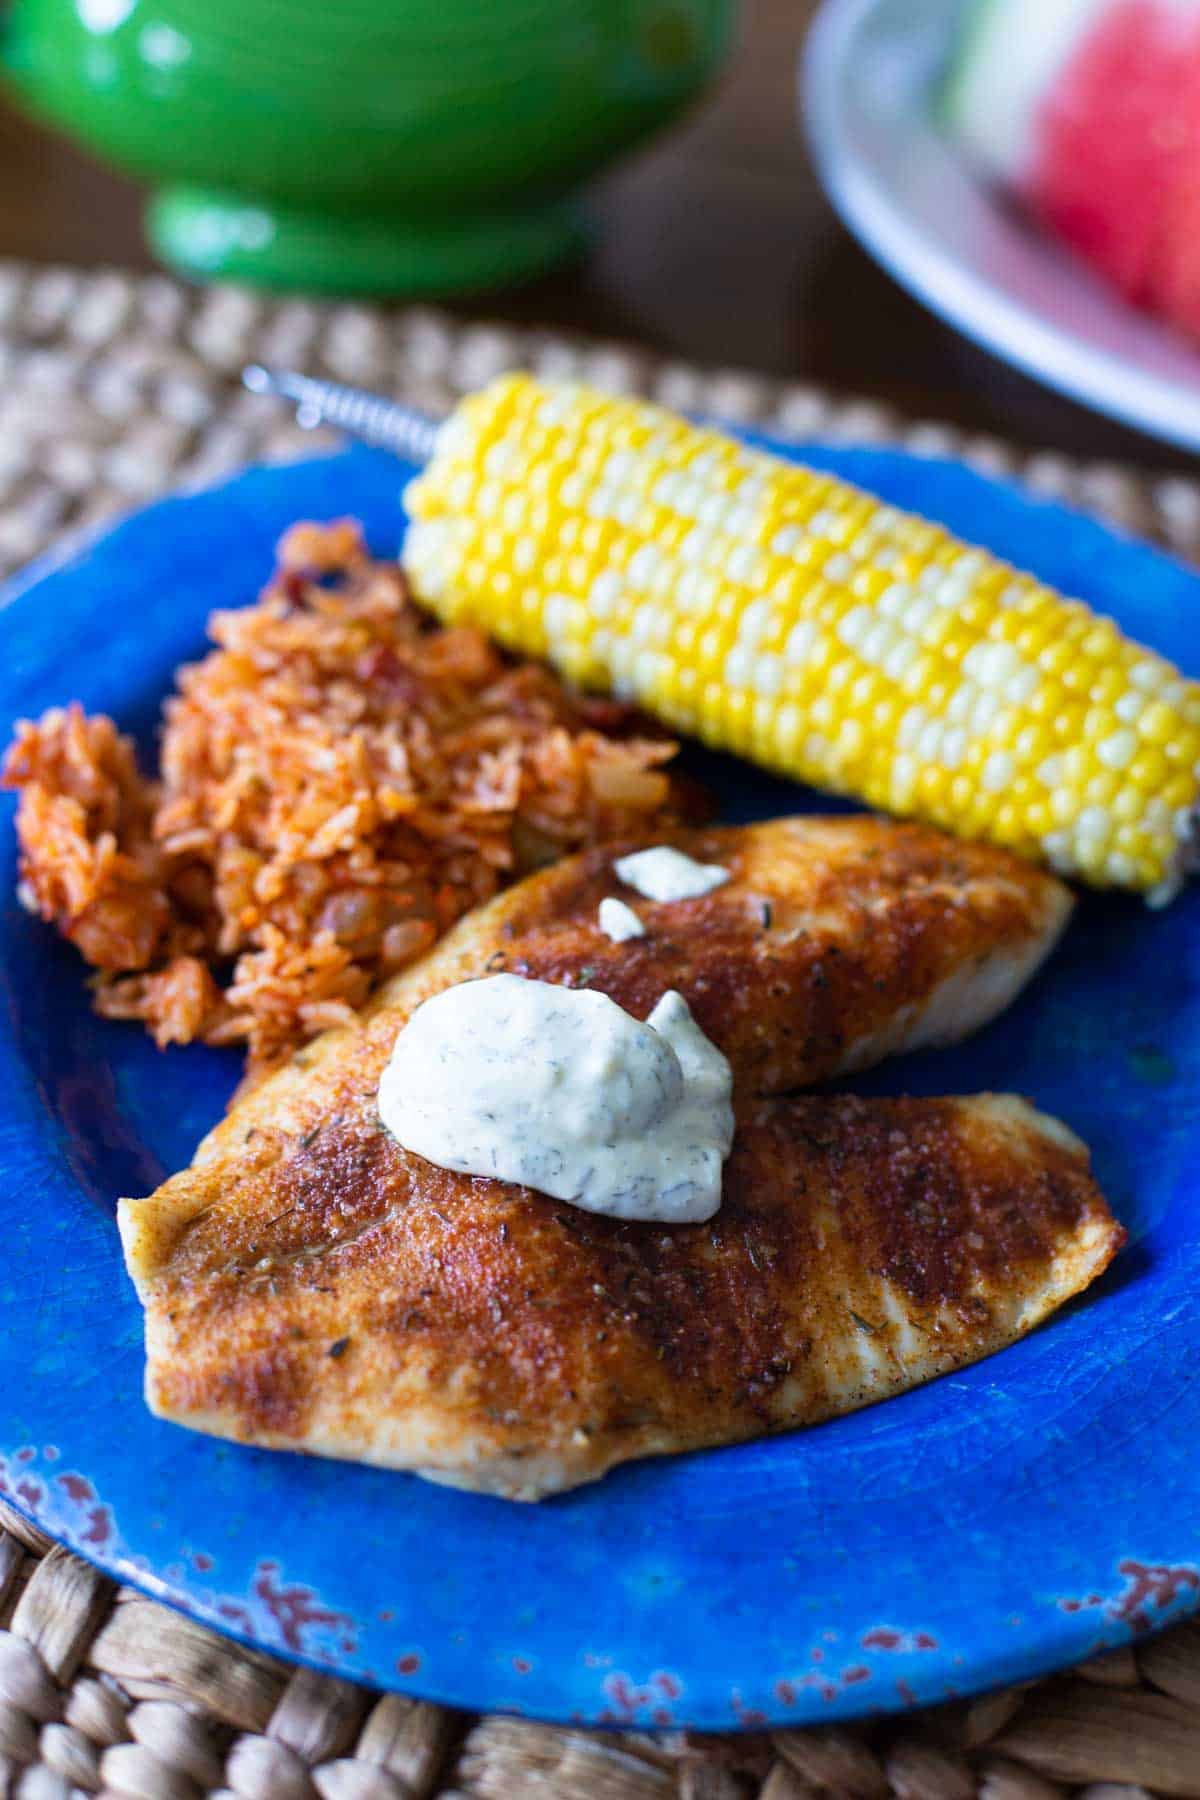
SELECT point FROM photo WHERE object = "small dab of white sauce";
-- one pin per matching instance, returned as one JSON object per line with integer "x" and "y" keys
{"x": 666, "y": 874}
{"x": 620, "y": 922}
{"x": 560, "y": 1089}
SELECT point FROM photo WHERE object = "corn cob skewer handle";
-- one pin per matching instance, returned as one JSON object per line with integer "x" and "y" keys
{"x": 372, "y": 418}
{"x": 787, "y": 616}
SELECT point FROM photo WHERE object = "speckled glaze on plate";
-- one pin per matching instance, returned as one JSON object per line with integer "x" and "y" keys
{"x": 982, "y": 1530}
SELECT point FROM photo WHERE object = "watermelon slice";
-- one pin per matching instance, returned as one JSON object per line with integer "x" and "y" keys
{"x": 1089, "y": 110}
{"x": 1177, "y": 288}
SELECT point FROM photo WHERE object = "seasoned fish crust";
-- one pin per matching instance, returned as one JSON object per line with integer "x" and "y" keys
{"x": 835, "y": 943}
{"x": 352, "y": 1300}
{"x": 309, "y": 1284}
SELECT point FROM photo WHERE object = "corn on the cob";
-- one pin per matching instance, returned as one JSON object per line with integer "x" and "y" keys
{"x": 787, "y": 616}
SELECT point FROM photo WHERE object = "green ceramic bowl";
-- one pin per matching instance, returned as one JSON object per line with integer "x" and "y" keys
{"x": 400, "y": 146}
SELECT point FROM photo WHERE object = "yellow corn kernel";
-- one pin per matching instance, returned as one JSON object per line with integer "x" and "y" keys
{"x": 784, "y": 614}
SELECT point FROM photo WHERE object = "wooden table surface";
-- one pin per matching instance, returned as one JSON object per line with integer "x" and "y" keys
{"x": 716, "y": 245}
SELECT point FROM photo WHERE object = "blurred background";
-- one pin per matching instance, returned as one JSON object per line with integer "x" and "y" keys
{"x": 715, "y": 243}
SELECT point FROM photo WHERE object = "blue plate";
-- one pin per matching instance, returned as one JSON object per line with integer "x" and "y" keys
{"x": 982, "y": 1530}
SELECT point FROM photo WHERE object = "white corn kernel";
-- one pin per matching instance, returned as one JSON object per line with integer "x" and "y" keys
{"x": 801, "y": 641}
{"x": 606, "y": 591}
{"x": 768, "y": 675}
{"x": 913, "y": 723}
{"x": 744, "y": 565}
{"x": 900, "y": 659}
{"x": 998, "y": 772}
{"x": 1093, "y": 822}
{"x": 954, "y": 749}
{"x": 929, "y": 744}
{"x": 1119, "y": 750}
{"x": 752, "y": 626}
{"x": 853, "y": 626}
{"x": 737, "y": 667}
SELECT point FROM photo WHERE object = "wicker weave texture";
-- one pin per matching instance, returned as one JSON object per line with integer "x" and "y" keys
{"x": 105, "y": 1692}
{"x": 114, "y": 387}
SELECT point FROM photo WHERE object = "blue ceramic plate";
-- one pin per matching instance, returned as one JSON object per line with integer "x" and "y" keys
{"x": 981, "y": 1530}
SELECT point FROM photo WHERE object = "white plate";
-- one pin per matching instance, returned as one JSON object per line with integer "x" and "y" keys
{"x": 867, "y": 81}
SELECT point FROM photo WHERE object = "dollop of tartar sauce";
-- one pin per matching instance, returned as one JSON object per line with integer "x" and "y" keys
{"x": 666, "y": 874}
{"x": 564, "y": 1091}
{"x": 620, "y": 922}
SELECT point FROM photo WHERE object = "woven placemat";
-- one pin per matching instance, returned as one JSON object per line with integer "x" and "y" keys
{"x": 104, "y": 1691}
{"x": 113, "y": 388}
